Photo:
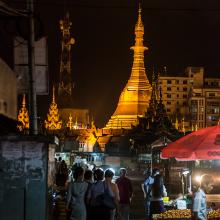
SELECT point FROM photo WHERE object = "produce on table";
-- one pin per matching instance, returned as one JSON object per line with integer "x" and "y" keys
{"x": 185, "y": 214}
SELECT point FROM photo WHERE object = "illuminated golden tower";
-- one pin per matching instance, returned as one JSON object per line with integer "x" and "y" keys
{"x": 65, "y": 96}
{"x": 134, "y": 99}
{"x": 23, "y": 116}
{"x": 53, "y": 122}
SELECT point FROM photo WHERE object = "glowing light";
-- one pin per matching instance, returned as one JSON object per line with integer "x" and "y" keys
{"x": 198, "y": 178}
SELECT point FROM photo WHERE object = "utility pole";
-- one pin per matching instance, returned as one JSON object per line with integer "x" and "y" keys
{"x": 31, "y": 64}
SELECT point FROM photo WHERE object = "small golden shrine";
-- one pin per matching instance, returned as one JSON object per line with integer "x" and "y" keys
{"x": 53, "y": 122}
{"x": 23, "y": 116}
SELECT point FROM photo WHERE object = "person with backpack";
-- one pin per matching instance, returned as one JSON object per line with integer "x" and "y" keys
{"x": 97, "y": 210}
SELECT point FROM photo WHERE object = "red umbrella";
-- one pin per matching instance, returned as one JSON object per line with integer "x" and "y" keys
{"x": 203, "y": 144}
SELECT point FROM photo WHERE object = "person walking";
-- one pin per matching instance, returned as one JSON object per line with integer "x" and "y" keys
{"x": 113, "y": 191}
{"x": 158, "y": 190}
{"x": 146, "y": 188}
{"x": 125, "y": 194}
{"x": 199, "y": 203}
{"x": 97, "y": 210}
{"x": 76, "y": 196}
{"x": 88, "y": 178}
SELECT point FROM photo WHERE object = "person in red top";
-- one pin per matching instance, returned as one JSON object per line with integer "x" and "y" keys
{"x": 125, "y": 194}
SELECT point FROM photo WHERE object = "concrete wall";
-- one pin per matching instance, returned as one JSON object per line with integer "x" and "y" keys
{"x": 8, "y": 91}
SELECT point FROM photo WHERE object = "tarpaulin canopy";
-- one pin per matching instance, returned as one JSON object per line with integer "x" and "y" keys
{"x": 203, "y": 144}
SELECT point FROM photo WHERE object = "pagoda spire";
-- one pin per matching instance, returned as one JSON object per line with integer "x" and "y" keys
{"x": 53, "y": 122}
{"x": 151, "y": 110}
{"x": 136, "y": 95}
{"x": 23, "y": 116}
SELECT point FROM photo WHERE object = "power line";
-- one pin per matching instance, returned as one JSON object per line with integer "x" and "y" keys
{"x": 95, "y": 6}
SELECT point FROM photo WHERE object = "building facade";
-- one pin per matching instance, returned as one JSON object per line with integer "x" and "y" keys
{"x": 191, "y": 99}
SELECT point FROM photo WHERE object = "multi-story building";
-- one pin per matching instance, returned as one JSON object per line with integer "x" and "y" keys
{"x": 191, "y": 99}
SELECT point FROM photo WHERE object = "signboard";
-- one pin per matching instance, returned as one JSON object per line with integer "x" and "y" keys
{"x": 144, "y": 157}
{"x": 21, "y": 65}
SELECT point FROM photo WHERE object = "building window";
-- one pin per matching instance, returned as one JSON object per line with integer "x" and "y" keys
{"x": 169, "y": 82}
{"x": 184, "y": 89}
{"x": 198, "y": 94}
{"x": 168, "y": 103}
{"x": 177, "y": 88}
{"x": 184, "y": 81}
{"x": 194, "y": 109}
{"x": 168, "y": 88}
{"x": 168, "y": 95}
{"x": 177, "y": 95}
{"x": 211, "y": 94}
{"x": 177, "y": 81}
{"x": 168, "y": 110}
{"x": 177, "y": 102}
{"x": 184, "y": 96}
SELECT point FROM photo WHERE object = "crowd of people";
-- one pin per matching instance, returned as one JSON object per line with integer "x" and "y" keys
{"x": 92, "y": 195}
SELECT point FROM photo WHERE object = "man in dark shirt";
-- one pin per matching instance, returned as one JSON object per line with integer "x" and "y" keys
{"x": 125, "y": 193}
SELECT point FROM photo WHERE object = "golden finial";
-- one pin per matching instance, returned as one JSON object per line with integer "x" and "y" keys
{"x": 24, "y": 101}
{"x": 23, "y": 116}
{"x": 139, "y": 26}
{"x": 177, "y": 124}
{"x": 76, "y": 124}
{"x": 196, "y": 127}
{"x": 53, "y": 99}
{"x": 183, "y": 126}
{"x": 70, "y": 122}
{"x": 53, "y": 122}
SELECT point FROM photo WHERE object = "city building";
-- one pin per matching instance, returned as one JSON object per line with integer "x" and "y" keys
{"x": 134, "y": 99}
{"x": 192, "y": 100}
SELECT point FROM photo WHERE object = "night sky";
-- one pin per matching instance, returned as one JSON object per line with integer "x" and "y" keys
{"x": 178, "y": 34}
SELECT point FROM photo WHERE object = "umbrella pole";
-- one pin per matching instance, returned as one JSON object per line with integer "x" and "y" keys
{"x": 183, "y": 185}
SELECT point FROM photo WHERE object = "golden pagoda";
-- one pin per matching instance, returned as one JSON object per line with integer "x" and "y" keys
{"x": 23, "y": 116}
{"x": 135, "y": 97}
{"x": 53, "y": 122}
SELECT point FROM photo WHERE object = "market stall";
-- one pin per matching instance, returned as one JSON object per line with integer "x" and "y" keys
{"x": 185, "y": 215}
{"x": 203, "y": 144}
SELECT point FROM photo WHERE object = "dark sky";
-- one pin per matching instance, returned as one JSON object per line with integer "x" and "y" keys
{"x": 178, "y": 34}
